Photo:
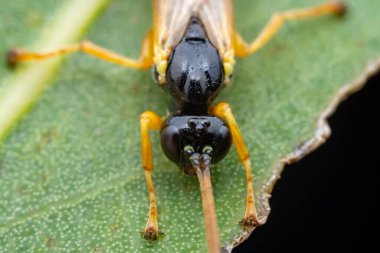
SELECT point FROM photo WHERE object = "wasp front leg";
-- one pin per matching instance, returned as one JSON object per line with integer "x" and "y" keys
{"x": 149, "y": 121}
{"x": 242, "y": 48}
{"x": 145, "y": 60}
{"x": 223, "y": 110}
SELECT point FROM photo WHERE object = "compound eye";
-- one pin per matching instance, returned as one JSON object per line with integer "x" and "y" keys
{"x": 170, "y": 143}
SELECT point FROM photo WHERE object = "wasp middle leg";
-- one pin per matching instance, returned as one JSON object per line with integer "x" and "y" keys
{"x": 149, "y": 121}
{"x": 145, "y": 60}
{"x": 242, "y": 48}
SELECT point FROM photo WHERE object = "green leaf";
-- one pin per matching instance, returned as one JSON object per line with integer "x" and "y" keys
{"x": 70, "y": 170}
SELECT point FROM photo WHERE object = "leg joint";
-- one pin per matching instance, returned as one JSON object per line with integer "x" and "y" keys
{"x": 150, "y": 118}
{"x": 245, "y": 158}
{"x": 221, "y": 109}
{"x": 145, "y": 116}
{"x": 147, "y": 168}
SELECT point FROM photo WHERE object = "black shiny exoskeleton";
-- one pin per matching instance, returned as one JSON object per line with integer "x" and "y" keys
{"x": 195, "y": 72}
{"x": 194, "y": 78}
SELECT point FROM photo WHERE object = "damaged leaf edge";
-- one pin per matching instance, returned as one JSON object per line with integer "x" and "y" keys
{"x": 321, "y": 134}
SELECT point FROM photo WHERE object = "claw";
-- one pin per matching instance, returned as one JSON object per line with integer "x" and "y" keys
{"x": 151, "y": 234}
{"x": 341, "y": 9}
{"x": 250, "y": 221}
{"x": 11, "y": 58}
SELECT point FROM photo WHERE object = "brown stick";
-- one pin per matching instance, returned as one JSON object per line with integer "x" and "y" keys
{"x": 209, "y": 209}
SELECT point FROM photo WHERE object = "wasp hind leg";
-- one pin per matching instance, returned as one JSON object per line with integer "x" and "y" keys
{"x": 223, "y": 110}
{"x": 149, "y": 121}
{"x": 242, "y": 48}
{"x": 145, "y": 60}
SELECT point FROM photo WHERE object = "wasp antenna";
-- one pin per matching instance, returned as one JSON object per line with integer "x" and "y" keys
{"x": 203, "y": 173}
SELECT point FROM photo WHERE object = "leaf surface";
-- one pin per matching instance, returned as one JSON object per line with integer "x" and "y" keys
{"x": 70, "y": 171}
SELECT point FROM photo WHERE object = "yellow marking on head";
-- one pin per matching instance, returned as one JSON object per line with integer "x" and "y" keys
{"x": 160, "y": 59}
{"x": 228, "y": 69}
{"x": 161, "y": 70}
{"x": 228, "y": 65}
{"x": 161, "y": 67}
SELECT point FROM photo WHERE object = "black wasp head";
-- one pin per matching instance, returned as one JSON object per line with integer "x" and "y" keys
{"x": 195, "y": 71}
{"x": 184, "y": 136}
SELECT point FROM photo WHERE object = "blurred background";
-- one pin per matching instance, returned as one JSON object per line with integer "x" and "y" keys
{"x": 329, "y": 200}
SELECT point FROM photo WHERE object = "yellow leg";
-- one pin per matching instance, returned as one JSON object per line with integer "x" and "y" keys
{"x": 145, "y": 60}
{"x": 149, "y": 121}
{"x": 223, "y": 111}
{"x": 278, "y": 19}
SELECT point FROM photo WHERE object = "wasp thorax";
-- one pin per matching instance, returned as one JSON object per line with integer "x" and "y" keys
{"x": 195, "y": 72}
{"x": 183, "y": 136}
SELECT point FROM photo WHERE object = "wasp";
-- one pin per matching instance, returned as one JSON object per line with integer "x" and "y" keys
{"x": 191, "y": 50}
